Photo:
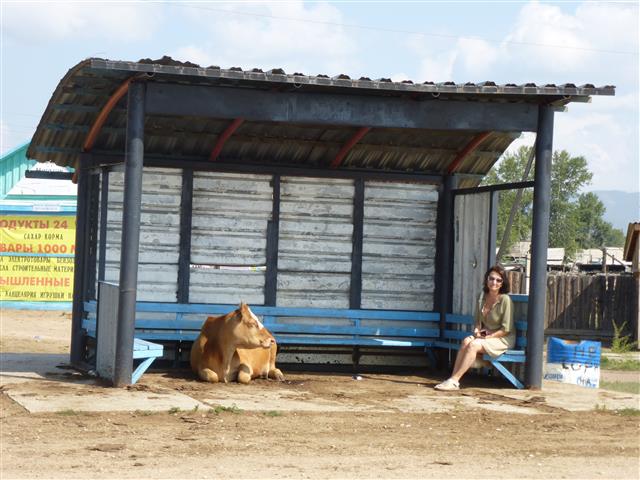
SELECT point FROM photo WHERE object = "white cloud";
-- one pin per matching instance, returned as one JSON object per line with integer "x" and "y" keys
{"x": 589, "y": 45}
{"x": 604, "y": 140}
{"x": 605, "y": 132}
{"x": 399, "y": 77}
{"x": 527, "y": 139}
{"x": 438, "y": 67}
{"x": 618, "y": 21}
{"x": 478, "y": 57}
{"x": 197, "y": 55}
{"x": 546, "y": 24}
{"x": 620, "y": 103}
{"x": 583, "y": 44}
{"x": 270, "y": 35}
{"x": 35, "y": 23}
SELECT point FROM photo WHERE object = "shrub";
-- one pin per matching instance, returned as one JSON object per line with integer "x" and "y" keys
{"x": 621, "y": 343}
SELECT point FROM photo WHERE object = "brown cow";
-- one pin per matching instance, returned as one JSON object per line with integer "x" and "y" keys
{"x": 234, "y": 346}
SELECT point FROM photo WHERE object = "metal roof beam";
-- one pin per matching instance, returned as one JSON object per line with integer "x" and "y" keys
{"x": 43, "y": 174}
{"x": 494, "y": 188}
{"x": 338, "y": 109}
{"x": 202, "y": 164}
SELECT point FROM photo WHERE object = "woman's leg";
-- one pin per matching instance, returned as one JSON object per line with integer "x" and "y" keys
{"x": 465, "y": 344}
{"x": 466, "y": 357}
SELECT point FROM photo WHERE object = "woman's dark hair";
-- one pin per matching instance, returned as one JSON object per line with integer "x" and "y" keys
{"x": 505, "y": 288}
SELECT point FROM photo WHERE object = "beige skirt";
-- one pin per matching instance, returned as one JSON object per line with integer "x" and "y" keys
{"x": 497, "y": 346}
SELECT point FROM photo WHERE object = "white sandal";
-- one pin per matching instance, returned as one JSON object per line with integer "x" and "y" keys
{"x": 447, "y": 385}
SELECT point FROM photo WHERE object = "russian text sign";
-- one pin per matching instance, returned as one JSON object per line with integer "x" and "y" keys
{"x": 36, "y": 257}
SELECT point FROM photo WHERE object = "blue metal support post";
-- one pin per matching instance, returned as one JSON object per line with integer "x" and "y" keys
{"x": 77, "y": 340}
{"x": 134, "y": 155}
{"x": 539, "y": 244}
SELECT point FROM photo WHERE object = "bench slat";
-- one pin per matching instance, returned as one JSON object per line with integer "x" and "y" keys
{"x": 218, "y": 309}
{"x": 142, "y": 346}
{"x": 351, "y": 330}
{"x": 361, "y": 341}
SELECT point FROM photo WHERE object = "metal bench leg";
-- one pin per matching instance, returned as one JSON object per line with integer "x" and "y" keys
{"x": 431, "y": 356}
{"x": 507, "y": 374}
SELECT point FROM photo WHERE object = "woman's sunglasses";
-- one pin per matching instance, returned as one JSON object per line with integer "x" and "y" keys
{"x": 495, "y": 279}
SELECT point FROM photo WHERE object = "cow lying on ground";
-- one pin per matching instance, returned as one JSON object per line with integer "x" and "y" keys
{"x": 234, "y": 346}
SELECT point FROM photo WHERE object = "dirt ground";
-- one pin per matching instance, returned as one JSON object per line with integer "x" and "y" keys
{"x": 311, "y": 426}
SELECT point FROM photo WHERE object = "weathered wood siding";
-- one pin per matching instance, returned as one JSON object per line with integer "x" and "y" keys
{"x": 314, "y": 257}
{"x": 471, "y": 249}
{"x": 229, "y": 235}
{"x": 517, "y": 281}
{"x": 228, "y": 241}
{"x": 159, "y": 233}
{"x": 580, "y": 305}
{"x": 398, "y": 258}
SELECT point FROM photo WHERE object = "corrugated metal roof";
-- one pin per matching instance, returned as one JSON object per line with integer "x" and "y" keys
{"x": 82, "y": 93}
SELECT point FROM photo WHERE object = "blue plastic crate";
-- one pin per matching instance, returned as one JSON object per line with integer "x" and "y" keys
{"x": 586, "y": 352}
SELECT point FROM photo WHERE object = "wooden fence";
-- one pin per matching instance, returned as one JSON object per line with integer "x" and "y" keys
{"x": 516, "y": 281}
{"x": 586, "y": 306}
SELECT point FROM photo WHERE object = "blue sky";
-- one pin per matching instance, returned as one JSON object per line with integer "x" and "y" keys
{"x": 506, "y": 42}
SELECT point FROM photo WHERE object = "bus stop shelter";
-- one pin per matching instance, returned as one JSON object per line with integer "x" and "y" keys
{"x": 211, "y": 186}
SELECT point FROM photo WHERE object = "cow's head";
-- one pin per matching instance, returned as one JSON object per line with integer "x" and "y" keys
{"x": 248, "y": 331}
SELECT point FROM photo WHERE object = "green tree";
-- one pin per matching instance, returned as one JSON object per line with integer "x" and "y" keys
{"x": 576, "y": 220}
{"x": 568, "y": 176}
{"x": 593, "y": 231}
{"x": 509, "y": 170}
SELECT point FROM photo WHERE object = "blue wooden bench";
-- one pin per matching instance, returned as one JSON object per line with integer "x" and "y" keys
{"x": 289, "y": 325}
{"x": 147, "y": 352}
{"x": 460, "y": 326}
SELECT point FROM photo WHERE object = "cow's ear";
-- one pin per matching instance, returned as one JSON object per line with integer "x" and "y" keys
{"x": 237, "y": 315}
{"x": 244, "y": 311}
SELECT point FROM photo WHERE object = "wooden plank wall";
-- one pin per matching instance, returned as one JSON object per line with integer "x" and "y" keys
{"x": 228, "y": 240}
{"x": 399, "y": 243}
{"x": 229, "y": 234}
{"x": 314, "y": 257}
{"x": 159, "y": 233}
{"x": 471, "y": 249}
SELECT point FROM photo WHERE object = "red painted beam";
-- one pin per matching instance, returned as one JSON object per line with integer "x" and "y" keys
{"x": 464, "y": 153}
{"x": 98, "y": 123}
{"x": 224, "y": 136}
{"x": 348, "y": 146}
{"x": 90, "y": 140}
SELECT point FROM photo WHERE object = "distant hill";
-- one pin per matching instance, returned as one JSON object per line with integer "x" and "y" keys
{"x": 622, "y": 207}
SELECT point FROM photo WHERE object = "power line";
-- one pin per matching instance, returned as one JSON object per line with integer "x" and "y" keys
{"x": 408, "y": 32}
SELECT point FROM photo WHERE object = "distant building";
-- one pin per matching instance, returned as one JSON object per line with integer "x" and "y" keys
{"x": 37, "y": 232}
{"x": 589, "y": 260}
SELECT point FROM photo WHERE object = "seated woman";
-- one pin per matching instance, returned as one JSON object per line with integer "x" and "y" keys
{"x": 494, "y": 331}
